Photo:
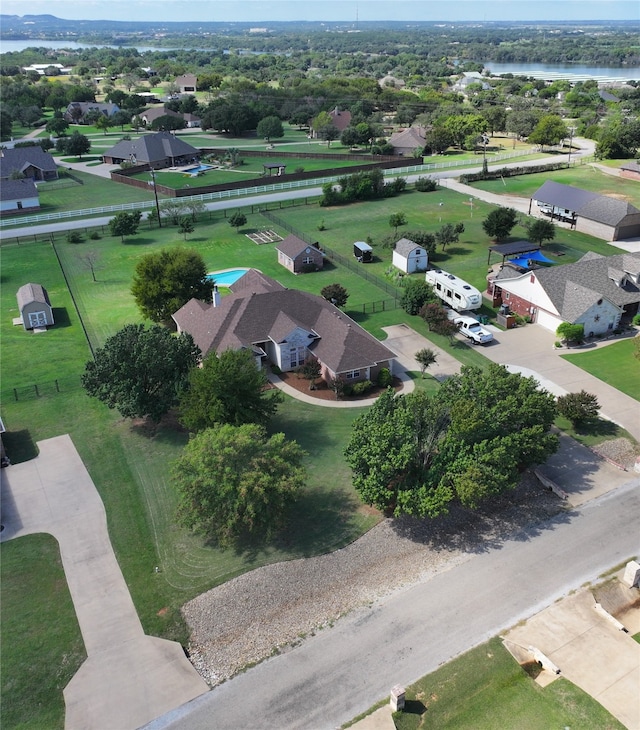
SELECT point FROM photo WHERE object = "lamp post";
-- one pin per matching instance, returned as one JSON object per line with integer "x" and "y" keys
{"x": 155, "y": 193}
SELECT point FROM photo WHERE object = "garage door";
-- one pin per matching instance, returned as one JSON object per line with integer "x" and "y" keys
{"x": 547, "y": 320}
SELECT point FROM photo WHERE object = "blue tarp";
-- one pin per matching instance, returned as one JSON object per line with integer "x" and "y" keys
{"x": 523, "y": 261}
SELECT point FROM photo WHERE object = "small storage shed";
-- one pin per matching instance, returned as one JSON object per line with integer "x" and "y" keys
{"x": 409, "y": 257}
{"x": 34, "y": 306}
{"x": 299, "y": 256}
{"x": 363, "y": 252}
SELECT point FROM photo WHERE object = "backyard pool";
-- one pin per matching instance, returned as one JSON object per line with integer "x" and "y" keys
{"x": 226, "y": 277}
{"x": 198, "y": 168}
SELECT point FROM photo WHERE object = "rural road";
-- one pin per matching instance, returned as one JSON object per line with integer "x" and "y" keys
{"x": 339, "y": 673}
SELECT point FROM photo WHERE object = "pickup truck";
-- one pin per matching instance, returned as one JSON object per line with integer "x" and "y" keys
{"x": 471, "y": 328}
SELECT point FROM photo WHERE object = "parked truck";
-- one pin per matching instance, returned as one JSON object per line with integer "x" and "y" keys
{"x": 471, "y": 328}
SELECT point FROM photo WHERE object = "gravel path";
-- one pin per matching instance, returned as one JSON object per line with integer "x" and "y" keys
{"x": 275, "y": 607}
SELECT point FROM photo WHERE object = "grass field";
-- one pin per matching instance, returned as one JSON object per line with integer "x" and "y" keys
{"x": 585, "y": 177}
{"x": 615, "y": 364}
{"x": 486, "y": 689}
{"x": 41, "y": 643}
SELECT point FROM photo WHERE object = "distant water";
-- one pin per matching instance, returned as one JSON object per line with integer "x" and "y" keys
{"x": 564, "y": 71}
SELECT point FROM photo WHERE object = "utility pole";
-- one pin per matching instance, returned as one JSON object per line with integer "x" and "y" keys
{"x": 155, "y": 192}
{"x": 571, "y": 131}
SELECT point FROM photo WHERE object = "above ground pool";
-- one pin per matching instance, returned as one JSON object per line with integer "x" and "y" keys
{"x": 226, "y": 277}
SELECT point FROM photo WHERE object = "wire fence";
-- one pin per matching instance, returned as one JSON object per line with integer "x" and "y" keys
{"x": 50, "y": 388}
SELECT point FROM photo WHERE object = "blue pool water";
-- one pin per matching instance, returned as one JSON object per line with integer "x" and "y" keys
{"x": 228, "y": 277}
{"x": 198, "y": 168}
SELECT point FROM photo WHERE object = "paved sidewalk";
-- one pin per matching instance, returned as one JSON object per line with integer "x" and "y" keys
{"x": 128, "y": 678}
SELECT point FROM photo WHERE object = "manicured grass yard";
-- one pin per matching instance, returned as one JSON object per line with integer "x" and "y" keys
{"x": 41, "y": 643}
{"x": 615, "y": 364}
{"x": 486, "y": 689}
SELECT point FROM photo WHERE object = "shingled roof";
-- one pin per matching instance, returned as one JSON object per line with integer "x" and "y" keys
{"x": 592, "y": 206}
{"x": 572, "y": 288}
{"x": 405, "y": 246}
{"x": 248, "y": 319}
{"x": 20, "y": 158}
{"x": 18, "y": 190}
{"x": 152, "y": 148}
{"x": 292, "y": 246}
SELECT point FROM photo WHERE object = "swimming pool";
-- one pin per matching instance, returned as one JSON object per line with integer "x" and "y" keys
{"x": 198, "y": 168}
{"x": 226, "y": 277}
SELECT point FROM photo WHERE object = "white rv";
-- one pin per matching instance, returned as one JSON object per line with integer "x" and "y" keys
{"x": 453, "y": 291}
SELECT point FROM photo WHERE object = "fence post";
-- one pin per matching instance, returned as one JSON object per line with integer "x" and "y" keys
{"x": 57, "y": 386}
{"x": 36, "y": 389}
{"x": 15, "y": 393}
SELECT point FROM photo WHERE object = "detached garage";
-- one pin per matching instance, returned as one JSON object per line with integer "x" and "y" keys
{"x": 34, "y": 306}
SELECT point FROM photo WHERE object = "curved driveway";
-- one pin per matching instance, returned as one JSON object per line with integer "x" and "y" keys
{"x": 128, "y": 677}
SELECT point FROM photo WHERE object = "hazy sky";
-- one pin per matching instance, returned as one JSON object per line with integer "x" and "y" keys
{"x": 342, "y": 10}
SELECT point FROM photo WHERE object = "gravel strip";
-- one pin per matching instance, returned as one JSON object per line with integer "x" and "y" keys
{"x": 620, "y": 450}
{"x": 275, "y": 607}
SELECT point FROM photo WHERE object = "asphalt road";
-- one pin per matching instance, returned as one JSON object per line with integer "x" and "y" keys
{"x": 342, "y": 671}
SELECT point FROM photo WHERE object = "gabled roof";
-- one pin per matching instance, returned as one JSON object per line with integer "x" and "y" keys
{"x": 574, "y": 287}
{"x": 29, "y": 293}
{"x": 18, "y": 190}
{"x": 593, "y": 206}
{"x": 412, "y": 138}
{"x": 157, "y": 112}
{"x": 20, "y": 158}
{"x": 405, "y": 247}
{"x": 105, "y": 107}
{"x": 248, "y": 319}
{"x": 292, "y": 246}
{"x": 341, "y": 119}
{"x": 152, "y": 148}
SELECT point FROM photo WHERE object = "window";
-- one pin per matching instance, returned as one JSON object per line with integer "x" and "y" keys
{"x": 307, "y": 260}
{"x": 297, "y": 356}
{"x": 506, "y": 295}
{"x": 352, "y": 374}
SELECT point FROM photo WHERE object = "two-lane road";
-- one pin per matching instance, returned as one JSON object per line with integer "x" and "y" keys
{"x": 343, "y": 670}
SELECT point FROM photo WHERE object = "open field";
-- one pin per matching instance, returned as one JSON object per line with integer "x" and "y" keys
{"x": 586, "y": 177}
{"x": 486, "y": 689}
{"x": 615, "y": 364}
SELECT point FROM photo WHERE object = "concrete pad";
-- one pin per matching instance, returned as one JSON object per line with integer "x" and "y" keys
{"x": 405, "y": 342}
{"x": 589, "y": 651}
{"x": 379, "y": 720}
{"x": 128, "y": 677}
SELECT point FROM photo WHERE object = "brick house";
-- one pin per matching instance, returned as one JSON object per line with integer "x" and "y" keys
{"x": 298, "y": 256}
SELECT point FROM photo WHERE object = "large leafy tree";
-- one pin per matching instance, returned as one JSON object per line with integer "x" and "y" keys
{"x": 77, "y": 144}
{"x": 549, "y": 131}
{"x": 417, "y": 453}
{"x": 500, "y": 222}
{"x": 236, "y": 482}
{"x": 540, "y": 230}
{"x": 270, "y": 128}
{"x": 166, "y": 280}
{"x": 228, "y": 388}
{"x": 140, "y": 371}
{"x": 335, "y": 293}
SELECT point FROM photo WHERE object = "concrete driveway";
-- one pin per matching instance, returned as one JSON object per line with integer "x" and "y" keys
{"x": 128, "y": 678}
{"x": 589, "y": 651}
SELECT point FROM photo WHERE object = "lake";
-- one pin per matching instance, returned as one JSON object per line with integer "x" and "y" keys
{"x": 602, "y": 74}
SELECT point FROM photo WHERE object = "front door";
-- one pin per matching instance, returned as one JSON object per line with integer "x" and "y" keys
{"x": 37, "y": 319}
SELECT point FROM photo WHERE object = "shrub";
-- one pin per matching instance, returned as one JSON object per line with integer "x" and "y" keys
{"x": 578, "y": 407}
{"x": 570, "y": 332}
{"x": 425, "y": 185}
{"x": 94, "y": 236}
{"x": 74, "y": 237}
{"x": 636, "y": 319}
{"x": 385, "y": 379}
{"x": 361, "y": 387}
{"x": 398, "y": 185}
{"x": 299, "y": 169}
{"x": 415, "y": 295}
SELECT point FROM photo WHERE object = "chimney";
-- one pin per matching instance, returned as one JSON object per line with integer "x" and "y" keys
{"x": 216, "y": 296}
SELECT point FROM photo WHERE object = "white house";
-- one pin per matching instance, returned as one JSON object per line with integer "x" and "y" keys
{"x": 596, "y": 291}
{"x": 409, "y": 257}
{"x": 17, "y": 196}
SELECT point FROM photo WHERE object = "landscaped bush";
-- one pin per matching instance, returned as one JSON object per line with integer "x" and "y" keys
{"x": 74, "y": 237}
{"x": 426, "y": 185}
{"x": 361, "y": 387}
{"x": 385, "y": 378}
{"x": 94, "y": 236}
{"x": 636, "y": 320}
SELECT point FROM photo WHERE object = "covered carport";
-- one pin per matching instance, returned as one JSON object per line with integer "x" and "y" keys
{"x": 514, "y": 248}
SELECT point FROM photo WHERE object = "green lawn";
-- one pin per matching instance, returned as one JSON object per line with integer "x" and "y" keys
{"x": 486, "y": 689}
{"x": 41, "y": 643}
{"x": 615, "y": 364}
{"x": 582, "y": 176}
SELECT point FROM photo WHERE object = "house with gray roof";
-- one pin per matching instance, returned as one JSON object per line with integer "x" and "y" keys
{"x": 284, "y": 327}
{"x": 150, "y": 115}
{"x": 18, "y": 196}
{"x": 32, "y": 162}
{"x": 76, "y": 112}
{"x": 298, "y": 256}
{"x": 408, "y": 141}
{"x": 34, "y": 307}
{"x": 598, "y": 215}
{"x": 409, "y": 257}
{"x": 159, "y": 150}
{"x": 597, "y": 291}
